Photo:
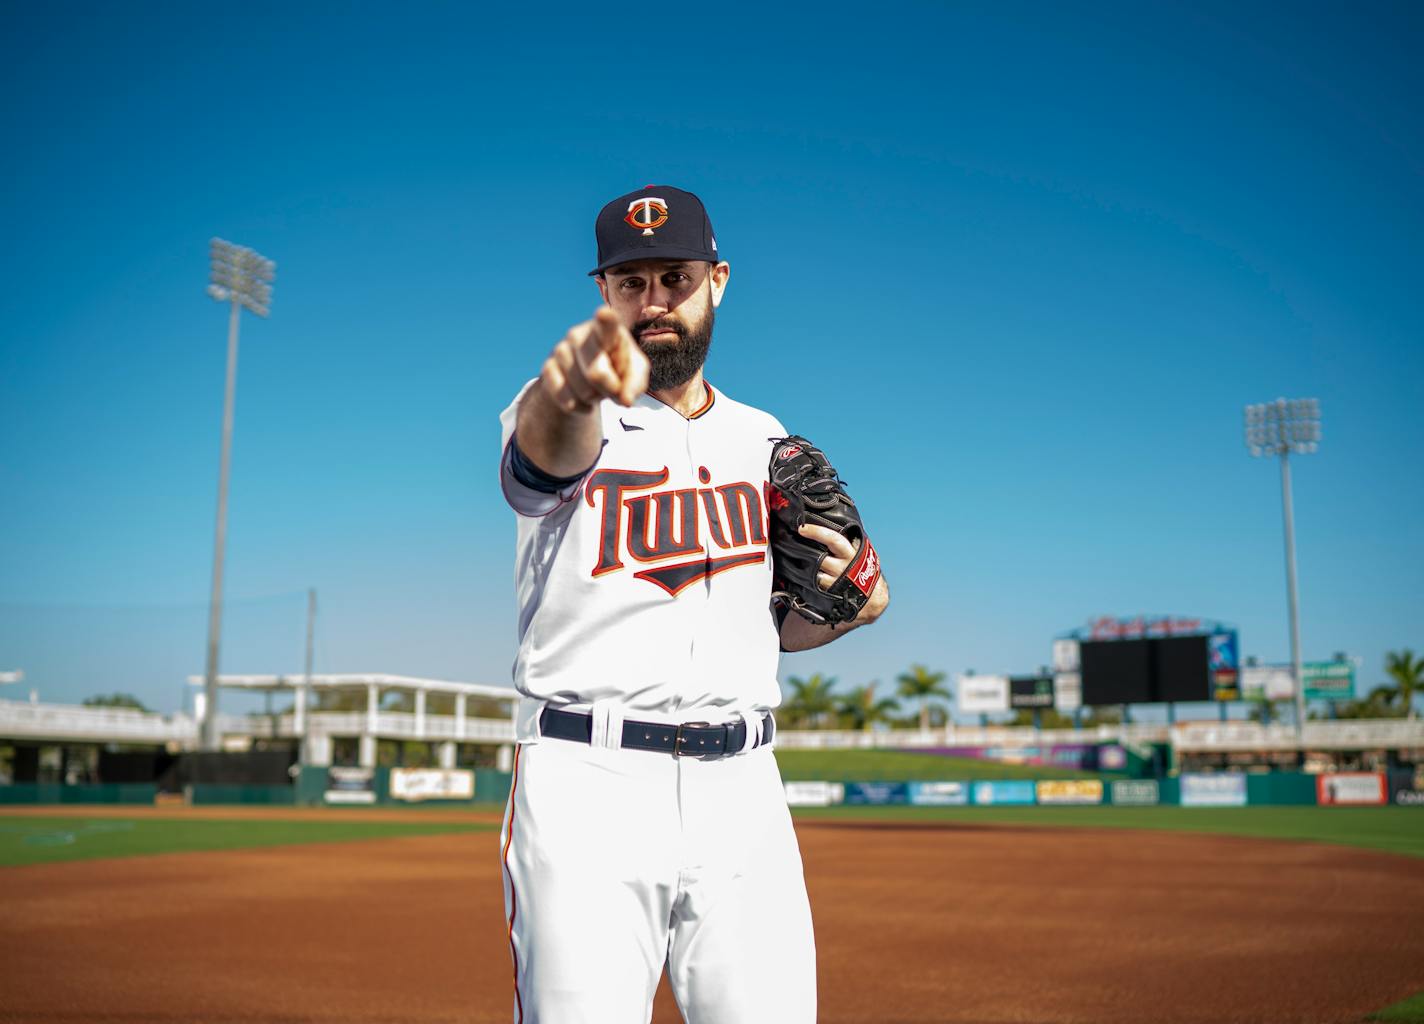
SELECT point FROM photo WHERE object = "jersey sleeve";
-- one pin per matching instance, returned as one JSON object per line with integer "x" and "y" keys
{"x": 525, "y": 500}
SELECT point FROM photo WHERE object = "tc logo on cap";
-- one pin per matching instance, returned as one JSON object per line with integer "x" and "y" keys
{"x": 647, "y": 213}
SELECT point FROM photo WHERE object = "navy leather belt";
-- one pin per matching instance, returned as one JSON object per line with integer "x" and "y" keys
{"x": 690, "y": 739}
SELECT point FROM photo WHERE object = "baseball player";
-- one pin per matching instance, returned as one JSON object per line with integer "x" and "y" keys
{"x": 647, "y": 825}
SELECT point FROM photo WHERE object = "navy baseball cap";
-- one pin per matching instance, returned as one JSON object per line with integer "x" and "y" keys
{"x": 657, "y": 222}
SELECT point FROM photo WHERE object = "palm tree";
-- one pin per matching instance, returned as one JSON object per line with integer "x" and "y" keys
{"x": 860, "y": 708}
{"x": 920, "y": 684}
{"x": 114, "y": 700}
{"x": 1408, "y": 673}
{"x": 347, "y": 700}
{"x": 1378, "y": 703}
{"x": 811, "y": 699}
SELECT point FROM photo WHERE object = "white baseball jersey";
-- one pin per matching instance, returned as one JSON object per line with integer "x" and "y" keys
{"x": 644, "y": 589}
{"x": 648, "y": 583}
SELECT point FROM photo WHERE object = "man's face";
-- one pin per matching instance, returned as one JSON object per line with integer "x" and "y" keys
{"x": 669, "y": 308}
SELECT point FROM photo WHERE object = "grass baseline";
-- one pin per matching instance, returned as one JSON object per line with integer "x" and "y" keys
{"x": 853, "y": 764}
{"x": 72, "y": 838}
{"x": 1406, "y": 1011}
{"x": 1398, "y": 830}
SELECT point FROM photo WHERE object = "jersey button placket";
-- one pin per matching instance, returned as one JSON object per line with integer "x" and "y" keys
{"x": 699, "y": 591}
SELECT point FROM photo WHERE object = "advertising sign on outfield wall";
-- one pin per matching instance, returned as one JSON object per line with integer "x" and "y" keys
{"x": 1135, "y": 792}
{"x": 1351, "y": 788}
{"x": 1406, "y": 786}
{"x": 813, "y": 794}
{"x": 1070, "y": 791}
{"x": 1112, "y": 758}
{"x": 350, "y": 786}
{"x": 877, "y": 792}
{"x": 941, "y": 793}
{"x": 1074, "y": 756}
{"x": 983, "y": 695}
{"x": 1227, "y": 789}
{"x": 432, "y": 783}
{"x": 1004, "y": 791}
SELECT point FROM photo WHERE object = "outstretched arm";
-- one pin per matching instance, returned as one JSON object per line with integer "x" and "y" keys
{"x": 558, "y": 427}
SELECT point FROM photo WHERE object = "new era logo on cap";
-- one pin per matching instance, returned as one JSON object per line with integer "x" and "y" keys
{"x": 657, "y": 222}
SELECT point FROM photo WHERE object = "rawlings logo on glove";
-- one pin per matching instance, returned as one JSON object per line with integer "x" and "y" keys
{"x": 806, "y": 489}
{"x": 865, "y": 570}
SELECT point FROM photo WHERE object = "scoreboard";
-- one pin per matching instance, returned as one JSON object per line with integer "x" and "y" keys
{"x": 1116, "y": 671}
{"x": 1179, "y": 669}
{"x": 1147, "y": 670}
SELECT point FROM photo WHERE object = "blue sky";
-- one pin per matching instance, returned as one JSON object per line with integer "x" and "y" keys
{"x": 1017, "y": 269}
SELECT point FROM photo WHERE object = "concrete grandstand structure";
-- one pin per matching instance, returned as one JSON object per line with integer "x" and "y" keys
{"x": 319, "y": 731}
{"x": 1351, "y": 734}
{"x": 59, "y": 742}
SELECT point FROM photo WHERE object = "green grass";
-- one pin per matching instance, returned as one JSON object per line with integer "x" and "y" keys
{"x": 899, "y": 765}
{"x": 40, "y": 840}
{"x": 1391, "y": 829}
{"x": 1410, "y": 1011}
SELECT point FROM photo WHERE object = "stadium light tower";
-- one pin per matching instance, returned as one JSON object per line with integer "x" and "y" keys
{"x": 240, "y": 277}
{"x": 1280, "y": 428}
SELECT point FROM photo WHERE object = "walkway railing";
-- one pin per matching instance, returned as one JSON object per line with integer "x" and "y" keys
{"x": 57, "y": 722}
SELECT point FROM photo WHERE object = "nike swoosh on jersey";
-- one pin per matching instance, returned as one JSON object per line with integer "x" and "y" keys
{"x": 628, "y": 426}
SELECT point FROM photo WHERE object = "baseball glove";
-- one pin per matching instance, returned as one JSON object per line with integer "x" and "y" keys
{"x": 804, "y": 488}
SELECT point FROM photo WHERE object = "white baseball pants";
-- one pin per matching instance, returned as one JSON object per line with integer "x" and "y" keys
{"x": 617, "y": 862}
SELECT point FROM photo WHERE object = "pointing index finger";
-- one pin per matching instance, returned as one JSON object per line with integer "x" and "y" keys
{"x": 610, "y": 343}
{"x": 607, "y": 329}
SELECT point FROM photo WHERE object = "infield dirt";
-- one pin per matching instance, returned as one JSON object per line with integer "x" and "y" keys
{"x": 956, "y": 923}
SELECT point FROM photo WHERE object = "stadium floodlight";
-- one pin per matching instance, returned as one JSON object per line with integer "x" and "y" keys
{"x": 1281, "y": 428}
{"x": 242, "y": 278}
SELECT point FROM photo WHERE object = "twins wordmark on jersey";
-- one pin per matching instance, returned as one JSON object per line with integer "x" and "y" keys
{"x": 649, "y": 581}
{"x": 649, "y": 523}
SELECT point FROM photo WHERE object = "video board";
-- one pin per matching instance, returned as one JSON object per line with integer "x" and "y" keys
{"x": 1147, "y": 670}
{"x": 1179, "y": 669}
{"x": 1116, "y": 671}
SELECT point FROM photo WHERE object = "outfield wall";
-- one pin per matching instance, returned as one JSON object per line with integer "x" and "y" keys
{"x": 1219, "y": 789}
{"x": 396, "y": 786}
{"x": 79, "y": 793}
{"x": 464, "y": 787}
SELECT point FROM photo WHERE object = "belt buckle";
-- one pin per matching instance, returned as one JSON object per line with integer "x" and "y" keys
{"x": 679, "y": 740}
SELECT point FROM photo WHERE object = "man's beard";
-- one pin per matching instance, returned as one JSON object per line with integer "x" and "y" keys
{"x": 675, "y": 363}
